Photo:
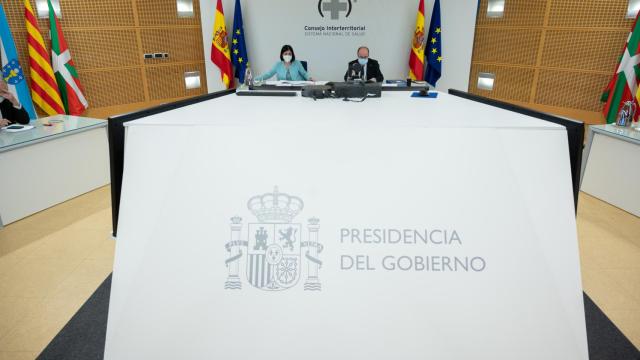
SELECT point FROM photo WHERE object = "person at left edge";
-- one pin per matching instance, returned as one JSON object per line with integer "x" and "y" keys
{"x": 11, "y": 111}
{"x": 288, "y": 68}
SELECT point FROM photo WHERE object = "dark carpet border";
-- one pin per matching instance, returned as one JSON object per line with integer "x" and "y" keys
{"x": 83, "y": 337}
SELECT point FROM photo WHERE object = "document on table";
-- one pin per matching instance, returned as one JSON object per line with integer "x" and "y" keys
{"x": 289, "y": 83}
{"x": 17, "y": 128}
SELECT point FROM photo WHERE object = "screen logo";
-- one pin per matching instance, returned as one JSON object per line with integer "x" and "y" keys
{"x": 334, "y": 8}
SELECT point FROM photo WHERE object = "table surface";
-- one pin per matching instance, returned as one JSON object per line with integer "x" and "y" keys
{"x": 617, "y": 131}
{"x": 501, "y": 179}
{"x": 445, "y": 111}
{"x": 61, "y": 125}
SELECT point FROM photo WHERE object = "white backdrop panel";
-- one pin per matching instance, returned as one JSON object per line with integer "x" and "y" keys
{"x": 269, "y": 24}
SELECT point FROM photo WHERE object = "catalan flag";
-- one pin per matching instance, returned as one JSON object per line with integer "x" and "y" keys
{"x": 434, "y": 47}
{"x": 64, "y": 69}
{"x": 220, "y": 54}
{"x": 416, "y": 56}
{"x": 44, "y": 89}
{"x": 10, "y": 68}
{"x": 623, "y": 86}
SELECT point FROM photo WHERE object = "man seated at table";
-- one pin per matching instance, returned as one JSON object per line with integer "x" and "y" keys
{"x": 370, "y": 68}
{"x": 11, "y": 111}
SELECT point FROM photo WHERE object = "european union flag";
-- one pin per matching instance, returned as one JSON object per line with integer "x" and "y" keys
{"x": 239, "y": 56}
{"x": 433, "y": 50}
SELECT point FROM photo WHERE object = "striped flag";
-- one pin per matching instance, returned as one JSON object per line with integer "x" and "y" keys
{"x": 65, "y": 70}
{"x": 220, "y": 54}
{"x": 416, "y": 57}
{"x": 624, "y": 84}
{"x": 10, "y": 68}
{"x": 44, "y": 89}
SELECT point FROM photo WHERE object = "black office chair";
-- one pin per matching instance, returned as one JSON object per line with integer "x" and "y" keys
{"x": 304, "y": 65}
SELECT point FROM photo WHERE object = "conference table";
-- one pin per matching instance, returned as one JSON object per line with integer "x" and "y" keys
{"x": 58, "y": 158}
{"x": 608, "y": 170}
{"x": 396, "y": 228}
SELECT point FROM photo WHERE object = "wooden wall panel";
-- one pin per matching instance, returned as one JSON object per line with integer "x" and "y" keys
{"x": 92, "y": 49}
{"x": 574, "y": 90}
{"x": 589, "y": 14}
{"x": 92, "y": 13}
{"x": 163, "y": 13}
{"x": 564, "y": 51}
{"x": 163, "y": 81}
{"x": 506, "y": 45}
{"x": 516, "y": 13}
{"x": 114, "y": 87}
{"x": 182, "y": 44}
{"x": 583, "y": 50}
{"x": 510, "y": 83}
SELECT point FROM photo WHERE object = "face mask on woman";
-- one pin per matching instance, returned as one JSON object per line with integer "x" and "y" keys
{"x": 287, "y": 58}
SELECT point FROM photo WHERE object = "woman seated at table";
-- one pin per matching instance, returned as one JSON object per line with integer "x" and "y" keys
{"x": 286, "y": 69}
{"x": 11, "y": 111}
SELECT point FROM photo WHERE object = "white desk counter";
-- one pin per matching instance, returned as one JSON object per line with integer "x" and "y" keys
{"x": 47, "y": 165}
{"x": 398, "y": 228}
{"x": 611, "y": 166}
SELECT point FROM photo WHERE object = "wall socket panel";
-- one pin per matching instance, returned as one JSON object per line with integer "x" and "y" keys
{"x": 156, "y": 56}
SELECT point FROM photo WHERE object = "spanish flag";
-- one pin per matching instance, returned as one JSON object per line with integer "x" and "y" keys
{"x": 220, "y": 54}
{"x": 416, "y": 57}
{"x": 44, "y": 89}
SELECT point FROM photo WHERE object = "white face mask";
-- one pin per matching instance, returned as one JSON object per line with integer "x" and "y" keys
{"x": 287, "y": 58}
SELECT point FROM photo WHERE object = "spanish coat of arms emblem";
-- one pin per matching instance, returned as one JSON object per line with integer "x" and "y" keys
{"x": 276, "y": 248}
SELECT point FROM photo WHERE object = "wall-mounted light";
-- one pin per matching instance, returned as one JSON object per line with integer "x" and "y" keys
{"x": 43, "y": 9}
{"x": 192, "y": 79}
{"x": 632, "y": 9}
{"x": 495, "y": 9}
{"x": 486, "y": 80}
{"x": 185, "y": 8}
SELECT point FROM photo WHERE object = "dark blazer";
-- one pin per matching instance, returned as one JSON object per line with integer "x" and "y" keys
{"x": 12, "y": 114}
{"x": 373, "y": 70}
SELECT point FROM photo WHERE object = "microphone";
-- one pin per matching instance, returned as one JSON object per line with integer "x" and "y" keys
{"x": 356, "y": 70}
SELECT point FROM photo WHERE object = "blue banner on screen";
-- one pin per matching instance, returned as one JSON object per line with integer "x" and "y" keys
{"x": 434, "y": 47}
{"x": 239, "y": 55}
{"x": 12, "y": 72}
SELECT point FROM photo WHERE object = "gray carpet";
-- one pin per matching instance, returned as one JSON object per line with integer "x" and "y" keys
{"x": 84, "y": 335}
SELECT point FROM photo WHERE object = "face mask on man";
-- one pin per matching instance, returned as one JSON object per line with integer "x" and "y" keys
{"x": 287, "y": 58}
{"x": 363, "y": 61}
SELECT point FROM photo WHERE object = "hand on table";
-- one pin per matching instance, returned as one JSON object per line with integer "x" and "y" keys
{"x": 4, "y": 122}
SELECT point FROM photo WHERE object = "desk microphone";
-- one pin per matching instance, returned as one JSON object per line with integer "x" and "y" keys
{"x": 356, "y": 70}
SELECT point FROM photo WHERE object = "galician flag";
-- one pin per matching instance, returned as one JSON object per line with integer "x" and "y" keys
{"x": 10, "y": 68}
{"x": 623, "y": 86}
{"x": 416, "y": 56}
{"x": 65, "y": 70}
{"x": 220, "y": 54}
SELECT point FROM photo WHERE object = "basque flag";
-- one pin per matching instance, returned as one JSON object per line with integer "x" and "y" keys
{"x": 12, "y": 72}
{"x": 434, "y": 47}
{"x": 239, "y": 55}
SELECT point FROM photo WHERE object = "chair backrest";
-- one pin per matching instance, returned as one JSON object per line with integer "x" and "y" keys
{"x": 304, "y": 65}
